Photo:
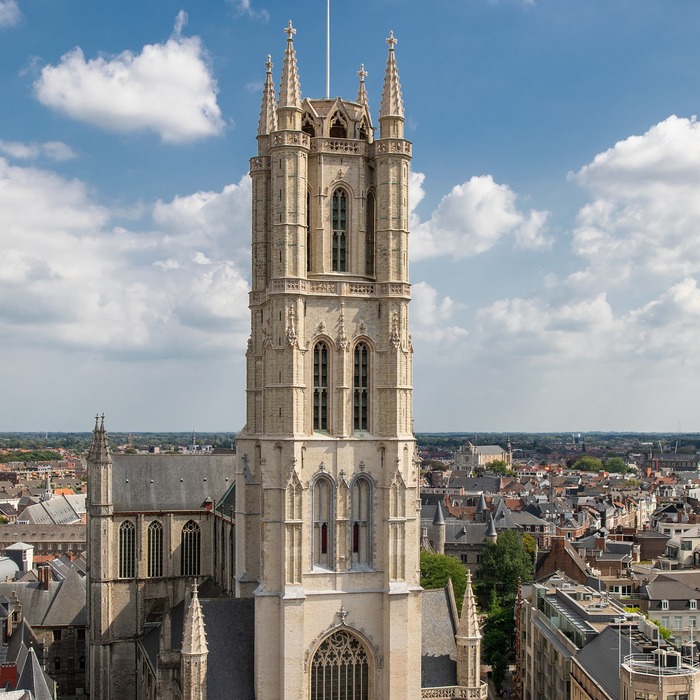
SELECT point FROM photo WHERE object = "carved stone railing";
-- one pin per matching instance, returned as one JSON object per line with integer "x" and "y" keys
{"x": 450, "y": 692}
{"x": 351, "y": 146}
{"x": 393, "y": 146}
{"x": 291, "y": 138}
{"x": 361, "y": 288}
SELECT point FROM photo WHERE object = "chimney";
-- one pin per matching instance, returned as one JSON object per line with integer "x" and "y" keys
{"x": 45, "y": 576}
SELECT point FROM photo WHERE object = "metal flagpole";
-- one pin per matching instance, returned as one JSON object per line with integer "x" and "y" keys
{"x": 328, "y": 49}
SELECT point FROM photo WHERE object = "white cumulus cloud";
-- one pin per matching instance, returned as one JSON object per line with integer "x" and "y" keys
{"x": 53, "y": 150}
{"x": 644, "y": 218}
{"x": 472, "y": 218}
{"x": 71, "y": 280}
{"x": 9, "y": 13}
{"x": 166, "y": 88}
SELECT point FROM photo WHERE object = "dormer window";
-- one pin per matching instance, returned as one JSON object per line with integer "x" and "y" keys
{"x": 693, "y": 604}
{"x": 664, "y": 605}
{"x": 338, "y": 130}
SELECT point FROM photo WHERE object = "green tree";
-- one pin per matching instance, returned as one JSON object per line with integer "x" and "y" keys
{"x": 586, "y": 463}
{"x": 498, "y": 466}
{"x": 615, "y": 465}
{"x": 496, "y": 644}
{"x": 502, "y": 563}
{"x": 436, "y": 568}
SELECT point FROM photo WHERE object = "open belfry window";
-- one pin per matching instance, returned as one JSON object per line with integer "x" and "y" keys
{"x": 323, "y": 491}
{"x": 320, "y": 412}
{"x": 340, "y": 230}
{"x": 127, "y": 549}
{"x": 307, "y": 126}
{"x": 360, "y": 385}
{"x": 339, "y": 129}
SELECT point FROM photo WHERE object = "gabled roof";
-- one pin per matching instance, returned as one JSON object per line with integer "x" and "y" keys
{"x": 35, "y": 680}
{"x": 156, "y": 483}
{"x": 438, "y": 648}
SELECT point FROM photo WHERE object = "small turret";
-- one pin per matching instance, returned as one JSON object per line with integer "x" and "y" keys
{"x": 391, "y": 114}
{"x": 289, "y": 104}
{"x": 362, "y": 90}
{"x": 468, "y": 640}
{"x": 481, "y": 509}
{"x": 491, "y": 533}
{"x": 268, "y": 109}
{"x": 439, "y": 529}
{"x": 194, "y": 651}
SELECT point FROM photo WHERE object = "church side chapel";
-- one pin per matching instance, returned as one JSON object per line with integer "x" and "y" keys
{"x": 291, "y": 569}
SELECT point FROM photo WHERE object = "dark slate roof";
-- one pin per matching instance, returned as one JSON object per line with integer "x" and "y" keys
{"x": 35, "y": 680}
{"x": 487, "y": 484}
{"x": 69, "y": 604}
{"x": 599, "y": 658}
{"x": 456, "y": 531}
{"x": 229, "y": 625}
{"x": 169, "y": 482}
{"x": 439, "y": 649}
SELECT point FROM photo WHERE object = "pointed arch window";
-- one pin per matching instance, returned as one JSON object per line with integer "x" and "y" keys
{"x": 361, "y": 522}
{"x": 360, "y": 384}
{"x": 339, "y": 129}
{"x": 369, "y": 229}
{"x": 155, "y": 550}
{"x": 307, "y": 126}
{"x": 308, "y": 232}
{"x": 340, "y": 669}
{"x": 321, "y": 386}
{"x": 127, "y": 549}
{"x": 323, "y": 492}
{"x": 340, "y": 230}
{"x": 189, "y": 549}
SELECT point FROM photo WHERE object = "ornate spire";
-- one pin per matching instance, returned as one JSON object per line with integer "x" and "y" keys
{"x": 469, "y": 619}
{"x": 99, "y": 447}
{"x": 362, "y": 90}
{"x": 392, "y": 102}
{"x": 268, "y": 114}
{"x": 290, "y": 91}
{"x": 194, "y": 638}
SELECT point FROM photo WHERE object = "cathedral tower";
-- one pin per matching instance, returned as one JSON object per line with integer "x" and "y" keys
{"x": 326, "y": 511}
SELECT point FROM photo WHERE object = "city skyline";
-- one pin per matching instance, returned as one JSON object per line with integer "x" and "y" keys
{"x": 555, "y": 207}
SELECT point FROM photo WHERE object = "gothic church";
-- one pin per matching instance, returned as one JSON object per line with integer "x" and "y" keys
{"x": 290, "y": 570}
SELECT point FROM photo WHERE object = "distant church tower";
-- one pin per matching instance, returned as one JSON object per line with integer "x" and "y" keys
{"x": 326, "y": 521}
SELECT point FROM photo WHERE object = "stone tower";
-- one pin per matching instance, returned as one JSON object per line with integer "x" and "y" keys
{"x": 99, "y": 555}
{"x": 326, "y": 514}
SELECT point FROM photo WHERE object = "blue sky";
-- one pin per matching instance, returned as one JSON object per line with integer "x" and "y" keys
{"x": 555, "y": 195}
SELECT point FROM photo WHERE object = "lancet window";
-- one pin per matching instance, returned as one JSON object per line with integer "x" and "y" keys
{"x": 155, "y": 550}
{"x": 320, "y": 412}
{"x": 361, "y": 525}
{"x": 340, "y": 230}
{"x": 340, "y": 669}
{"x": 360, "y": 385}
{"x": 189, "y": 549}
{"x": 127, "y": 549}
{"x": 369, "y": 235}
{"x": 323, "y": 492}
